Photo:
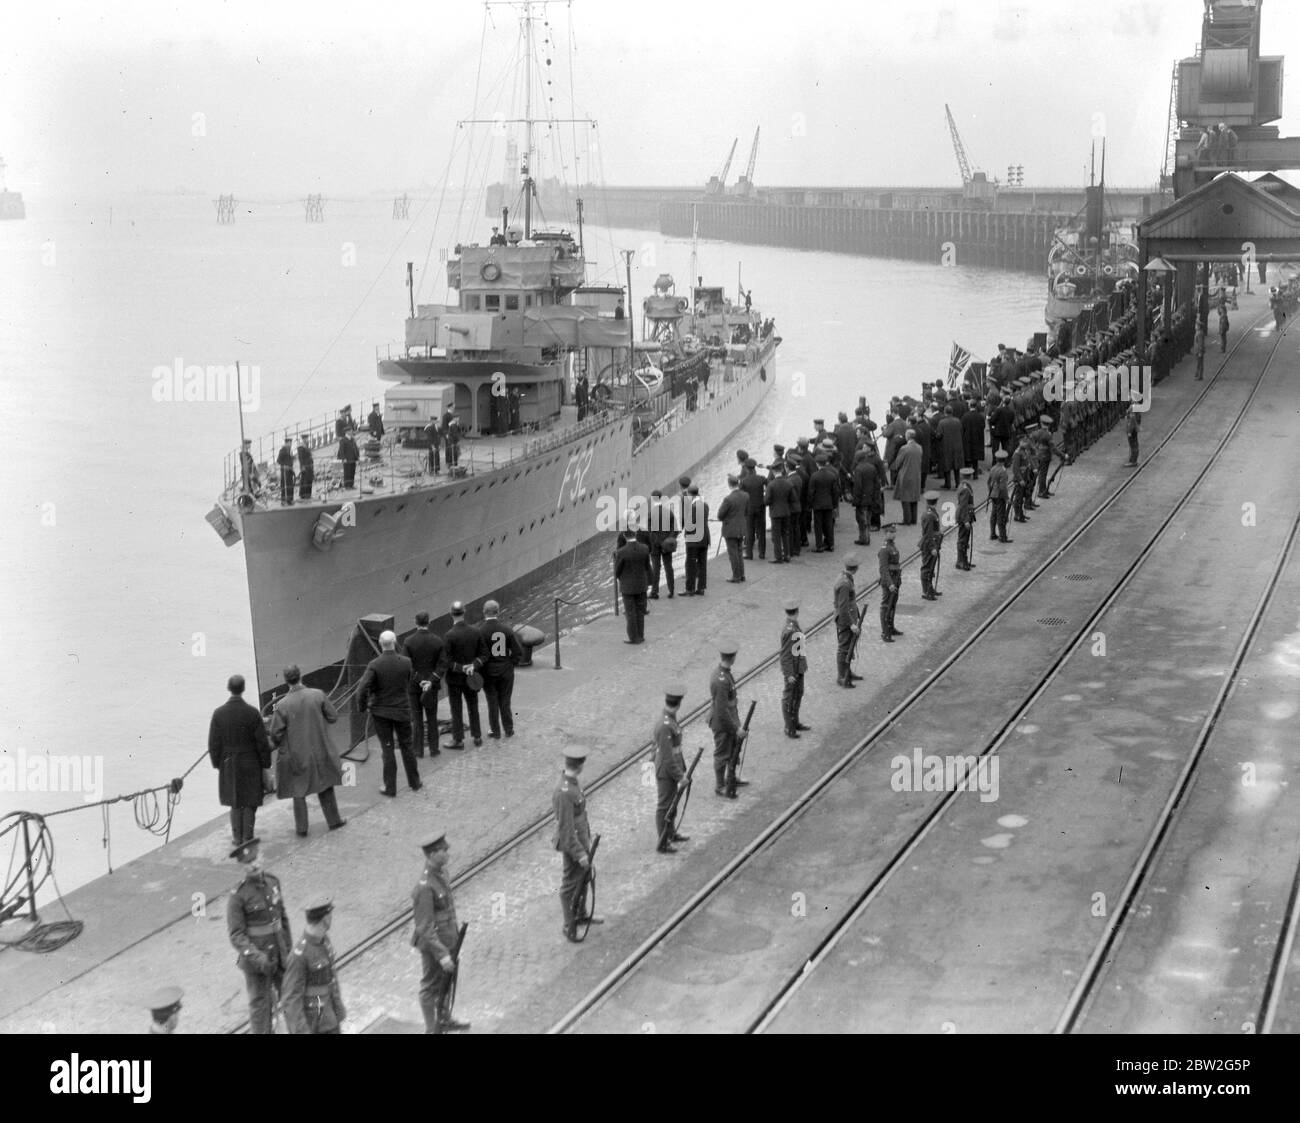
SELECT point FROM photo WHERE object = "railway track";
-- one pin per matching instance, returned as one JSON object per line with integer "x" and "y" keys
{"x": 780, "y": 990}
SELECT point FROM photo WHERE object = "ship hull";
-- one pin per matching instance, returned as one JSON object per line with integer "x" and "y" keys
{"x": 482, "y": 537}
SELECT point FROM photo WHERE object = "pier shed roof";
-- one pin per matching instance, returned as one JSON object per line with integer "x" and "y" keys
{"x": 1218, "y": 219}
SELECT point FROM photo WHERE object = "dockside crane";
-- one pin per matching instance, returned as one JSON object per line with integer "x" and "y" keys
{"x": 976, "y": 189}
{"x": 745, "y": 184}
{"x": 718, "y": 184}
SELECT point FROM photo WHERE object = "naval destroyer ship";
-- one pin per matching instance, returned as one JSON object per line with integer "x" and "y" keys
{"x": 566, "y": 416}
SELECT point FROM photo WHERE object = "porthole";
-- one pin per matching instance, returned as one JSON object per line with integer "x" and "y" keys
{"x": 424, "y": 571}
{"x": 377, "y": 510}
{"x": 406, "y": 579}
{"x": 401, "y": 507}
{"x": 449, "y": 561}
{"x": 464, "y": 555}
{"x": 479, "y": 548}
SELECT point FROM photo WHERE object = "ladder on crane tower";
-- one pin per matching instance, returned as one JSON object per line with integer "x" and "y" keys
{"x": 1172, "y": 126}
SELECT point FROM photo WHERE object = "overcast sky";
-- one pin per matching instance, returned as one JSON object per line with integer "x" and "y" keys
{"x": 263, "y": 97}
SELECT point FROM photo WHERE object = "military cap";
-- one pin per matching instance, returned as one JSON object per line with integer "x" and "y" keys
{"x": 319, "y": 906}
{"x": 576, "y": 752}
{"x": 751, "y": 463}
{"x": 684, "y": 482}
{"x": 656, "y": 494}
{"x": 819, "y": 421}
{"x": 163, "y": 1001}
{"x": 1001, "y": 454}
{"x": 429, "y": 841}
{"x": 1046, "y": 419}
{"x": 457, "y": 608}
{"x": 674, "y": 691}
{"x": 779, "y": 449}
{"x": 241, "y": 852}
{"x": 931, "y": 497}
{"x": 967, "y": 473}
{"x": 288, "y": 439}
{"x": 791, "y": 605}
{"x": 828, "y": 443}
{"x": 247, "y": 441}
{"x": 728, "y": 647}
{"x": 741, "y": 455}
{"x": 803, "y": 442}
{"x": 852, "y": 561}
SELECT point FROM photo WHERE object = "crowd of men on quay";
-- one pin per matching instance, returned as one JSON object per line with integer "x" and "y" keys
{"x": 791, "y": 503}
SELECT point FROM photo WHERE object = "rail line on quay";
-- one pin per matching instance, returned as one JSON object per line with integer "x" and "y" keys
{"x": 789, "y": 985}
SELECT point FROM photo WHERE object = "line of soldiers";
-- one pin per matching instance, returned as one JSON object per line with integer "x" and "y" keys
{"x": 300, "y": 979}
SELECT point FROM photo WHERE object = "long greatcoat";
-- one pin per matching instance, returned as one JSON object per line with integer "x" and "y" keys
{"x": 952, "y": 451}
{"x": 972, "y": 425}
{"x": 306, "y": 764}
{"x": 239, "y": 750}
{"x": 907, "y": 473}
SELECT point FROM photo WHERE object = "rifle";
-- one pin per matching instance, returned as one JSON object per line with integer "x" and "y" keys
{"x": 449, "y": 993}
{"x": 581, "y": 912}
{"x": 740, "y": 757}
{"x": 680, "y": 799}
{"x": 1064, "y": 461}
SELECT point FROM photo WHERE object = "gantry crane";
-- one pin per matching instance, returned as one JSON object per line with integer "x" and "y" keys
{"x": 976, "y": 189}
{"x": 745, "y": 184}
{"x": 718, "y": 184}
{"x": 958, "y": 147}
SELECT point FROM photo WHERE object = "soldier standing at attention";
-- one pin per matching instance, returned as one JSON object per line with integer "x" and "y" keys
{"x": 1046, "y": 449}
{"x": 848, "y": 622}
{"x": 312, "y": 1000}
{"x": 997, "y": 485}
{"x": 891, "y": 579}
{"x": 306, "y": 468}
{"x": 429, "y": 663}
{"x": 755, "y": 515}
{"x": 724, "y": 720}
{"x": 965, "y": 518}
{"x": 259, "y": 932}
{"x": 247, "y": 468}
{"x": 1131, "y": 425}
{"x": 375, "y": 422}
{"x": 931, "y": 543}
{"x": 164, "y": 1008}
{"x": 436, "y": 935}
{"x": 794, "y": 665}
{"x": 670, "y": 769}
{"x": 572, "y": 836}
{"x": 461, "y": 642}
{"x": 434, "y": 436}
{"x": 824, "y": 488}
{"x": 285, "y": 459}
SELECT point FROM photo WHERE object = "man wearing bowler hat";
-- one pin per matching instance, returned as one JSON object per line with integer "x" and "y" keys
{"x": 312, "y": 1000}
{"x": 259, "y": 931}
{"x": 436, "y": 934}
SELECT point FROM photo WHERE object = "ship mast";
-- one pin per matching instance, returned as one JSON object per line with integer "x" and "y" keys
{"x": 528, "y": 118}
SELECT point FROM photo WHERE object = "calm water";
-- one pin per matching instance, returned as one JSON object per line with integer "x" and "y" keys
{"x": 123, "y": 613}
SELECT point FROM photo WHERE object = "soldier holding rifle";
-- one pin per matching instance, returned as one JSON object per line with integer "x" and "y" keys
{"x": 573, "y": 840}
{"x": 437, "y": 935}
{"x": 670, "y": 770}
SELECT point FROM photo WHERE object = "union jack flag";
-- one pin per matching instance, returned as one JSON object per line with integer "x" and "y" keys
{"x": 957, "y": 363}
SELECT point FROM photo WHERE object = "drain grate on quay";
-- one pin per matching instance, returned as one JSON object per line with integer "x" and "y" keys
{"x": 1078, "y": 576}
{"x": 1051, "y": 621}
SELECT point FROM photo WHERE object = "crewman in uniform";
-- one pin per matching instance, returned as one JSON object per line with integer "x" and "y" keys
{"x": 931, "y": 543}
{"x": 848, "y": 622}
{"x": 572, "y": 837}
{"x": 462, "y": 647}
{"x": 375, "y": 422}
{"x": 965, "y": 518}
{"x": 259, "y": 932}
{"x": 794, "y": 665}
{"x": 285, "y": 459}
{"x": 670, "y": 769}
{"x": 436, "y": 934}
{"x": 349, "y": 454}
{"x": 312, "y": 1000}
{"x": 1019, "y": 479}
{"x": 724, "y": 720}
{"x": 891, "y": 579}
{"x": 1046, "y": 449}
{"x": 164, "y": 1008}
{"x": 247, "y": 466}
{"x": 306, "y": 468}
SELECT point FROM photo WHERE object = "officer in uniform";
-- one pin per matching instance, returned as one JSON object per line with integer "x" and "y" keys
{"x": 756, "y": 515}
{"x": 931, "y": 543}
{"x": 1019, "y": 474}
{"x": 724, "y": 720}
{"x": 670, "y": 769}
{"x": 779, "y": 500}
{"x": 891, "y": 579}
{"x": 312, "y": 1000}
{"x": 259, "y": 932}
{"x": 1027, "y": 439}
{"x": 997, "y": 485}
{"x": 285, "y": 460}
{"x": 1046, "y": 450}
{"x": 306, "y": 468}
{"x": 572, "y": 836}
{"x": 794, "y": 665}
{"x": 435, "y": 935}
{"x": 965, "y": 518}
{"x": 164, "y": 1007}
{"x": 848, "y": 622}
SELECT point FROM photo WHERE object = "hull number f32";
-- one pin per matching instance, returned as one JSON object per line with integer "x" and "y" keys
{"x": 573, "y": 486}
